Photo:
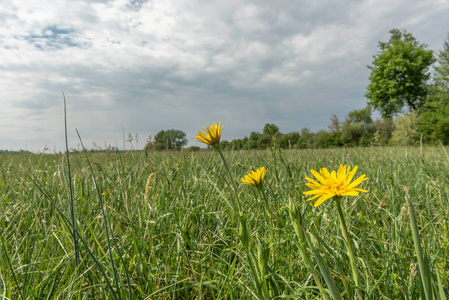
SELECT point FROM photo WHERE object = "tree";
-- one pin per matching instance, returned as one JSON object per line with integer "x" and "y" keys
{"x": 357, "y": 129}
{"x": 170, "y": 139}
{"x": 323, "y": 139}
{"x": 405, "y": 132}
{"x": 305, "y": 140}
{"x": 442, "y": 70}
{"x": 433, "y": 118}
{"x": 383, "y": 129}
{"x": 289, "y": 140}
{"x": 335, "y": 124}
{"x": 399, "y": 74}
{"x": 270, "y": 129}
{"x": 253, "y": 139}
{"x": 264, "y": 141}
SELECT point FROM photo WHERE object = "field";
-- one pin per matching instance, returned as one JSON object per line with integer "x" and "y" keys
{"x": 167, "y": 225}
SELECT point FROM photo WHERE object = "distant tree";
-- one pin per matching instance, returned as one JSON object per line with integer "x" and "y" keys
{"x": 149, "y": 146}
{"x": 399, "y": 74}
{"x": 360, "y": 115}
{"x": 253, "y": 139}
{"x": 406, "y": 132}
{"x": 305, "y": 141}
{"x": 357, "y": 129}
{"x": 194, "y": 148}
{"x": 264, "y": 141}
{"x": 323, "y": 139}
{"x": 383, "y": 129}
{"x": 442, "y": 69}
{"x": 225, "y": 144}
{"x": 434, "y": 116}
{"x": 170, "y": 139}
{"x": 289, "y": 140}
{"x": 335, "y": 125}
{"x": 270, "y": 129}
{"x": 239, "y": 144}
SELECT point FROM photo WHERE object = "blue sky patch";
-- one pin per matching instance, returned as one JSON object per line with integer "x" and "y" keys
{"x": 54, "y": 38}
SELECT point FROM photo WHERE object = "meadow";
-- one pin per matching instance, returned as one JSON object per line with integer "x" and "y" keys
{"x": 165, "y": 225}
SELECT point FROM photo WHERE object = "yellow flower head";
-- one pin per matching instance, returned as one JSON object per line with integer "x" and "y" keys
{"x": 334, "y": 184}
{"x": 255, "y": 178}
{"x": 211, "y": 135}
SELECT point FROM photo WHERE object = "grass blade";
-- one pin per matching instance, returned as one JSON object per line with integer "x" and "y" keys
{"x": 72, "y": 210}
{"x": 423, "y": 267}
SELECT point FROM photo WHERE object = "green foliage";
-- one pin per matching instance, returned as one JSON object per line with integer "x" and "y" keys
{"x": 406, "y": 131}
{"x": 383, "y": 129}
{"x": 323, "y": 139}
{"x": 442, "y": 69}
{"x": 357, "y": 128}
{"x": 194, "y": 148}
{"x": 306, "y": 139}
{"x": 289, "y": 140}
{"x": 253, "y": 141}
{"x": 335, "y": 125}
{"x": 171, "y": 226}
{"x": 149, "y": 146}
{"x": 434, "y": 115}
{"x": 170, "y": 139}
{"x": 399, "y": 74}
{"x": 264, "y": 141}
{"x": 270, "y": 129}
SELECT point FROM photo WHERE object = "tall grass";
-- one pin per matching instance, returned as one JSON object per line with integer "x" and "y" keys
{"x": 162, "y": 225}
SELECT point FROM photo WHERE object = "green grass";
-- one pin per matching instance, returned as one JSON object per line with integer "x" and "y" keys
{"x": 180, "y": 240}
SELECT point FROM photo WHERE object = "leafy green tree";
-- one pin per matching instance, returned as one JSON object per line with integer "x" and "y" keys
{"x": 383, "y": 129}
{"x": 170, "y": 139}
{"x": 399, "y": 74}
{"x": 434, "y": 121}
{"x": 323, "y": 139}
{"x": 289, "y": 140}
{"x": 442, "y": 69}
{"x": 264, "y": 141}
{"x": 357, "y": 129}
{"x": 434, "y": 116}
{"x": 270, "y": 129}
{"x": 306, "y": 139}
{"x": 406, "y": 131}
{"x": 225, "y": 144}
{"x": 335, "y": 124}
{"x": 253, "y": 139}
{"x": 239, "y": 144}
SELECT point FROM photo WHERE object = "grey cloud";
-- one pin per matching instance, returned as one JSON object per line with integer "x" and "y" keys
{"x": 150, "y": 66}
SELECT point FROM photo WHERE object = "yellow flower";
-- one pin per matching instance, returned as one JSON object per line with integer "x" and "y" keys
{"x": 211, "y": 135}
{"x": 255, "y": 178}
{"x": 334, "y": 184}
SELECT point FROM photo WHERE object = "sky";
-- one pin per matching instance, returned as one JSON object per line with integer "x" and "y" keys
{"x": 139, "y": 67}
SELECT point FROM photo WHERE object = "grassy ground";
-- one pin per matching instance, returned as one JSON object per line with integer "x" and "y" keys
{"x": 165, "y": 226}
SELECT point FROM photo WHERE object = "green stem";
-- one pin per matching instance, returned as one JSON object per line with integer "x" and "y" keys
{"x": 296, "y": 218}
{"x": 218, "y": 147}
{"x": 266, "y": 207}
{"x": 344, "y": 229}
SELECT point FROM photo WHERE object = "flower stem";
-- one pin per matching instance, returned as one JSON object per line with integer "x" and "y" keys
{"x": 266, "y": 206}
{"x": 296, "y": 218}
{"x": 230, "y": 178}
{"x": 344, "y": 229}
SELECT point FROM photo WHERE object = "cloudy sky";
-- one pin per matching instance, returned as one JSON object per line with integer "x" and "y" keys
{"x": 143, "y": 66}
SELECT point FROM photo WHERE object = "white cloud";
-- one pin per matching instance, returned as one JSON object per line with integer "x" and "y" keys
{"x": 153, "y": 65}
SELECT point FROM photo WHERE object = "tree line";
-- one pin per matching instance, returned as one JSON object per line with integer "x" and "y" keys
{"x": 413, "y": 103}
